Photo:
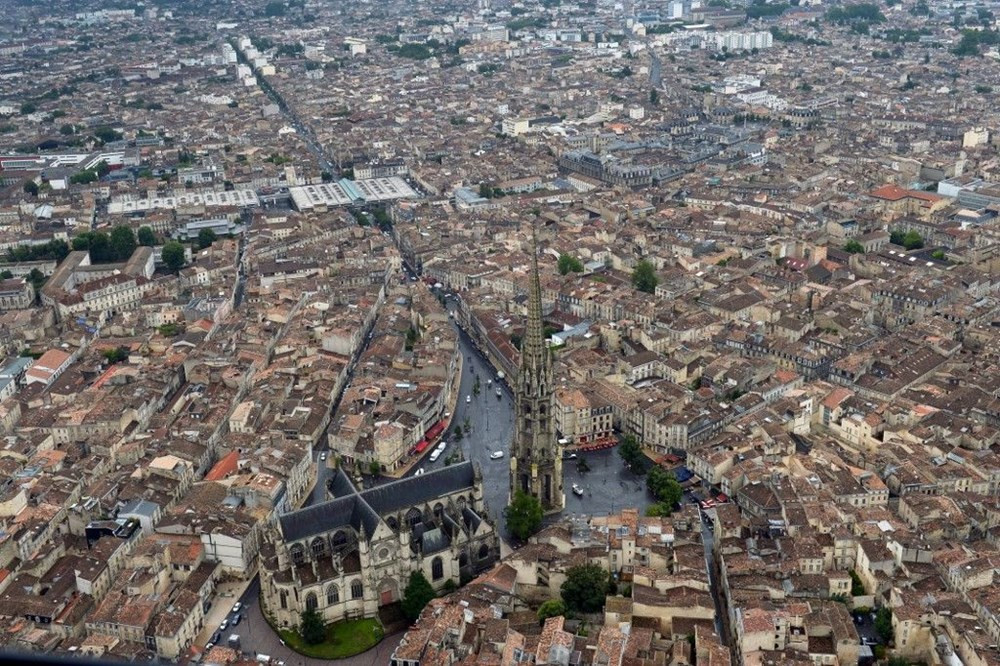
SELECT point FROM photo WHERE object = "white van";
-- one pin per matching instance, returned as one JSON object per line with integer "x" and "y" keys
{"x": 436, "y": 453}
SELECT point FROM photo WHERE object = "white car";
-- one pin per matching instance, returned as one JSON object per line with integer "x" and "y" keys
{"x": 468, "y": 399}
{"x": 419, "y": 472}
{"x": 322, "y": 456}
{"x": 225, "y": 623}
{"x": 578, "y": 490}
{"x": 237, "y": 606}
{"x": 496, "y": 455}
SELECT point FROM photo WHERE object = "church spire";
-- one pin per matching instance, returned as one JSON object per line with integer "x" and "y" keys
{"x": 536, "y": 457}
{"x": 535, "y": 355}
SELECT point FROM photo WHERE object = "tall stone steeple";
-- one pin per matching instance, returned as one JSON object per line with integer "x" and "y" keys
{"x": 536, "y": 456}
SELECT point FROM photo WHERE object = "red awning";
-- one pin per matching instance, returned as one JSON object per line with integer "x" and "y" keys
{"x": 435, "y": 430}
{"x": 422, "y": 446}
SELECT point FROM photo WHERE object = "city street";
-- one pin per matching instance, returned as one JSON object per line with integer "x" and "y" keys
{"x": 607, "y": 485}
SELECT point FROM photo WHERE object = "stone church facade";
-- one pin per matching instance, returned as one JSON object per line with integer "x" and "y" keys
{"x": 351, "y": 555}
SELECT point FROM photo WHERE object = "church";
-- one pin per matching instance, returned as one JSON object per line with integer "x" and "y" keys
{"x": 351, "y": 555}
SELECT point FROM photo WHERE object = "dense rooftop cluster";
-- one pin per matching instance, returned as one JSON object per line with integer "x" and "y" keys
{"x": 239, "y": 237}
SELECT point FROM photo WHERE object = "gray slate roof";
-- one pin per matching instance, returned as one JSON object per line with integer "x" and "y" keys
{"x": 362, "y": 510}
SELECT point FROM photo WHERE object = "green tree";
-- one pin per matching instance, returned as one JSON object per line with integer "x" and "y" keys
{"x": 417, "y": 594}
{"x": 644, "y": 277}
{"x": 883, "y": 624}
{"x": 146, "y": 237}
{"x": 31, "y": 187}
{"x": 857, "y": 587}
{"x": 524, "y": 515}
{"x": 205, "y": 238}
{"x": 853, "y": 247}
{"x": 912, "y": 240}
{"x": 569, "y": 263}
{"x": 664, "y": 486}
{"x": 631, "y": 452}
{"x": 116, "y": 355}
{"x": 6, "y": 275}
{"x": 84, "y": 177}
{"x": 273, "y": 9}
{"x": 658, "y": 509}
{"x": 28, "y": 108}
{"x": 122, "y": 242}
{"x": 311, "y": 627}
{"x": 173, "y": 255}
{"x": 585, "y": 588}
{"x": 654, "y": 97}
{"x": 374, "y": 468}
{"x": 551, "y": 608}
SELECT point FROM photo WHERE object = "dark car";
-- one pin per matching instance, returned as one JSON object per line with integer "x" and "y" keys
{"x": 236, "y": 619}
{"x": 216, "y": 637}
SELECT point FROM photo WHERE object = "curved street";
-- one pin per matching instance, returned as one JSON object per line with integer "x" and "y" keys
{"x": 257, "y": 638}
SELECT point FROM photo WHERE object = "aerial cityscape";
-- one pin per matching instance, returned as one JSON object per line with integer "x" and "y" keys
{"x": 576, "y": 332}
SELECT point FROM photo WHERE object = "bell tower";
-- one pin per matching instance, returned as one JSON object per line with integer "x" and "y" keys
{"x": 536, "y": 457}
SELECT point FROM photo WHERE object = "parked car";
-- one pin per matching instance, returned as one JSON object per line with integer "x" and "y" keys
{"x": 322, "y": 456}
{"x": 236, "y": 619}
{"x": 419, "y": 472}
{"x": 496, "y": 455}
{"x": 578, "y": 490}
{"x": 237, "y": 606}
{"x": 225, "y": 623}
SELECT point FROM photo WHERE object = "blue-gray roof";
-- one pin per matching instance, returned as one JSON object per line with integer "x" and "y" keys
{"x": 349, "y": 508}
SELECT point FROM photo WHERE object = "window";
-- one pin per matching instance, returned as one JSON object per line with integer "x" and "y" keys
{"x": 284, "y": 599}
{"x": 318, "y": 546}
{"x": 311, "y": 602}
{"x": 484, "y": 552}
{"x": 297, "y": 553}
{"x": 332, "y": 595}
{"x": 437, "y": 568}
{"x": 357, "y": 590}
{"x": 339, "y": 539}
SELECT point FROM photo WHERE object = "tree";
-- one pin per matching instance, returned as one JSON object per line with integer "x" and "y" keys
{"x": 374, "y": 468}
{"x": 857, "y": 587}
{"x": 205, "y": 238}
{"x": 912, "y": 240}
{"x": 853, "y": 247}
{"x": 31, "y": 187}
{"x": 28, "y": 108}
{"x": 274, "y": 9}
{"x": 883, "y": 624}
{"x": 658, "y": 509}
{"x": 551, "y": 608}
{"x": 417, "y": 594}
{"x": 664, "y": 486}
{"x": 569, "y": 263}
{"x": 173, "y": 255}
{"x": 644, "y": 277}
{"x": 116, "y": 355}
{"x": 631, "y": 452}
{"x": 311, "y": 627}
{"x": 122, "y": 242}
{"x": 585, "y": 588}
{"x": 147, "y": 237}
{"x": 524, "y": 515}
{"x": 654, "y": 97}
{"x": 6, "y": 275}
